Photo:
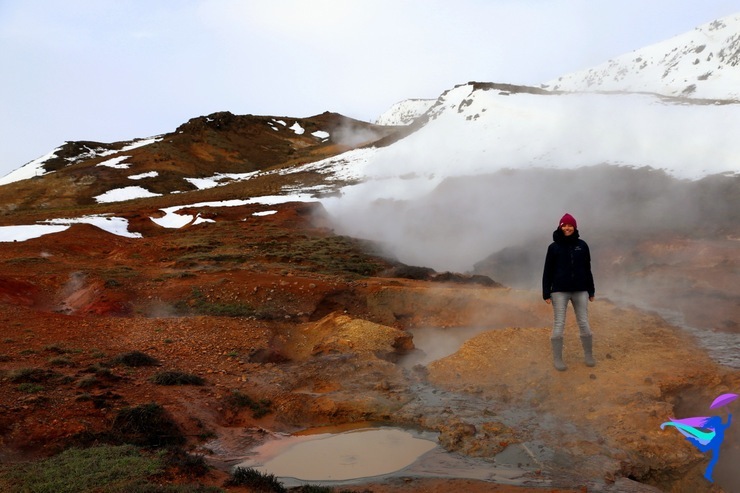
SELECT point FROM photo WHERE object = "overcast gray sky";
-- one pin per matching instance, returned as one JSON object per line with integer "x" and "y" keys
{"x": 110, "y": 70}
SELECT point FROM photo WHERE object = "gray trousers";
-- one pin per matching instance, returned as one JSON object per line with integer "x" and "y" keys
{"x": 580, "y": 306}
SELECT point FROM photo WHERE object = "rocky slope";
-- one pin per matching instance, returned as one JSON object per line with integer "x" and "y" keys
{"x": 221, "y": 144}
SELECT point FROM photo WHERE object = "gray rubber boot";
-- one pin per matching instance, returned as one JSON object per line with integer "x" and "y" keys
{"x": 587, "y": 342}
{"x": 557, "y": 354}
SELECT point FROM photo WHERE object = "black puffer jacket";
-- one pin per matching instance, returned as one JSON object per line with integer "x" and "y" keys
{"x": 567, "y": 265}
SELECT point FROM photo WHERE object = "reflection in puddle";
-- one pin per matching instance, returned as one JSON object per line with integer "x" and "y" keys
{"x": 335, "y": 457}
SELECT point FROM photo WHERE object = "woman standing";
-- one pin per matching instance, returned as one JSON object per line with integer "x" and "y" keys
{"x": 567, "y": 277}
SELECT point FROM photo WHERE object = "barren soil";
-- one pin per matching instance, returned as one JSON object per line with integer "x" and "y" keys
{"x": 279, "y": 309}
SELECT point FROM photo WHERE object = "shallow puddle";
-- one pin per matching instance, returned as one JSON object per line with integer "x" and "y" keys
{"x": 433, "y": 343}
{"x": 344, "y": 456}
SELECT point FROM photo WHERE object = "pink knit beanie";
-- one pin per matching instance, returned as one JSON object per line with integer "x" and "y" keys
{"x": 568, "y": 219}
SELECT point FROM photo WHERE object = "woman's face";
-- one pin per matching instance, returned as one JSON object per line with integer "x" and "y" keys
{"x": 567, "y": 229}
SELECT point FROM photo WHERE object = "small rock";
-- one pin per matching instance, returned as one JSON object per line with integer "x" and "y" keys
{"x": 383, "y": 385}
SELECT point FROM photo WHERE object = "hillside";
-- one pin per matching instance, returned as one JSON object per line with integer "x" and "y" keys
{"x": 221, "y": 147}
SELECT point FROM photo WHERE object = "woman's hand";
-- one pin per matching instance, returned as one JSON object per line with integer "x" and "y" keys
{"x": 548, "y": 301}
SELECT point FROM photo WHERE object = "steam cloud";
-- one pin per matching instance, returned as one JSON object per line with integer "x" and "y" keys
{"x": 481, "y": 186}
{"x": 491, "y": 171}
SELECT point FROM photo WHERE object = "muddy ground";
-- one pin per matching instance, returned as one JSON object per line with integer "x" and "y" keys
{"x": 279, "y": 309}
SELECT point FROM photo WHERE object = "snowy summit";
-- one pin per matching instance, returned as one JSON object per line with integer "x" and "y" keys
{"x": 405, "y": 112}
{"x": 703, "y": 64}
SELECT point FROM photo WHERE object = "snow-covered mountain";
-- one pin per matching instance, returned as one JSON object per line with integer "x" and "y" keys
{"x": 703, "y": 63}
{"x": 405, "y": 112}
{"x": 480, "y": 128}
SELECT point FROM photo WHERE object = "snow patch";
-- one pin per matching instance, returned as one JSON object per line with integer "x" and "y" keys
{"x": 114, "y": 225}
{"x": 172, "y": 219}
{"x": 217, "y": 179}
{"x": 116, "y": 163}
{"x": 30, "y": 170}
{"x": 27, "y": 231}
{"x": 348, "y": 166}
{"x": 125, "y": 193}
{"x": 141, "y": 176}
